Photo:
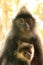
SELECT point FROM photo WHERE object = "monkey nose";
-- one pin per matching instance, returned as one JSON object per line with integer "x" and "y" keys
{"x": 28, "y": 27}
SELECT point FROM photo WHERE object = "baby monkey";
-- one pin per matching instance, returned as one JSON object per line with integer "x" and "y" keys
{"x": 25, "y": 52}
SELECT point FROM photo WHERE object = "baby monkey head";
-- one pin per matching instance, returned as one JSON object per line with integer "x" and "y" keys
{"x": 24, "y": 52}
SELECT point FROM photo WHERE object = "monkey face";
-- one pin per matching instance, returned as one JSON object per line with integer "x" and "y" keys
{"x": 24, "y": 25}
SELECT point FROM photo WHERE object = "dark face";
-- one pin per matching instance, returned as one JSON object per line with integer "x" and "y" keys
{"x": 24, "y": 25}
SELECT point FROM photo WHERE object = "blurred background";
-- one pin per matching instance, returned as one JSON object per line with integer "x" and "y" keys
{"x": 8, "y": 10}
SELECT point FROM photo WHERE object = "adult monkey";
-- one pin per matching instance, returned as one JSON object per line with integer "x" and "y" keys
{"x": 23, "y": 45}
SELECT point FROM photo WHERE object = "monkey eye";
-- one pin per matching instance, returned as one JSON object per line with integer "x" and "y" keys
{"x": 31, "y": 22}
{"x": 20, "y": 21}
